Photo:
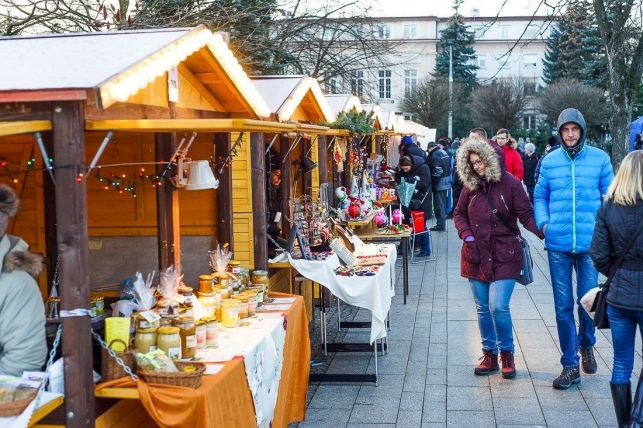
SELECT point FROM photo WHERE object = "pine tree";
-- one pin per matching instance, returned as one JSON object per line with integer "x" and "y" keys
{"x": 594, "y": 71}
{"x": 458, "y": 36}
{"x": 575, "y": 21}
{"x": 552, "y": 67}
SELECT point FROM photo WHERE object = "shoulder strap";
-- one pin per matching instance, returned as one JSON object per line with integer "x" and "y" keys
{"x": 626, "y": 249}
{"x": 495, "y": 211}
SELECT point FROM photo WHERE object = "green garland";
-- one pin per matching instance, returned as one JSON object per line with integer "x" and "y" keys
{"x": 356, "y": 122}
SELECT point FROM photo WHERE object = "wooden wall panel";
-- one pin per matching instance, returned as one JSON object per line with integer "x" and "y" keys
{"x": 242, "y": 203}
{"x": 314, "y": 155}
{"x": 243, "y": 239}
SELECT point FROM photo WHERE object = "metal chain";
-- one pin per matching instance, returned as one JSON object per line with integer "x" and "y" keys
{"x": 279, "y": 247}
{"x": 114, "y": 355}
{"x": 50, "y": 361}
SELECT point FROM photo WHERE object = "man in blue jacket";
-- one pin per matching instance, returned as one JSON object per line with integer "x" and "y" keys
{"x": 567, "y": 197}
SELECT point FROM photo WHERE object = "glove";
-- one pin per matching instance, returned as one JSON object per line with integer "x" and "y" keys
{"x": 416, "y": 191}
{"x": 470, "y": 238}
{"x": 416, "y": 178}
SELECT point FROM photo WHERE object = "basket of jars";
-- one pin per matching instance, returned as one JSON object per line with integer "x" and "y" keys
{"x": 109, "y": 367}
{"x": 156, "y": 367}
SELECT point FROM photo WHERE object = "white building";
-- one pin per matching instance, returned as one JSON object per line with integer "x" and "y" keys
{"x": 507, "y": 47}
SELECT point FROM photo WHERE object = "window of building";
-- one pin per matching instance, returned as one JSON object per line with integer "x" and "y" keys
{"x": 384, "y": 83}
{"x": 410, "y": 31}
{"x": 529, "y": 121}
{"x": 408, "y": 116}
{"x": 357, "y": 83}
{"x": 503, "y": 61}
{"x": 410, "y": 82}
{"x": 383, "y": 31}
{"x": 532, "y": 31}
{"x": 332, "y": 86}
{"x": 529, "y": 61}
{"x": 482, "y": 62}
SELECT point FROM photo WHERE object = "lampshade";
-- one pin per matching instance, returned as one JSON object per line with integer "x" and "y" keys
{"x": 201, "y": 176}
{"x": 307, "y": 165}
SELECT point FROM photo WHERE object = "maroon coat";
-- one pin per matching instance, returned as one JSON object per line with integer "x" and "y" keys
{"x": 496, "y": 252}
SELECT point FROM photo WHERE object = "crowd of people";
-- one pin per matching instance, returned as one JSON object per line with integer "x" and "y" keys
{"x": 569, "y": 197}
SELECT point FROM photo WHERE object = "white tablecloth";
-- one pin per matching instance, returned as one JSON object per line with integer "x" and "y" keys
{"x": 369, "y": 292}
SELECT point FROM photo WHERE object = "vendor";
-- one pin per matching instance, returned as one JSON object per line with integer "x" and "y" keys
{"x": 22, "y": 312}
{"x": 273, "y": 194}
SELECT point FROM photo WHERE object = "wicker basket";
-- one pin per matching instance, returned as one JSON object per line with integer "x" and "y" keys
{"x": 14, "y": 408}
{"x": 188, "y": 380}
{"x": 109, "y": 368}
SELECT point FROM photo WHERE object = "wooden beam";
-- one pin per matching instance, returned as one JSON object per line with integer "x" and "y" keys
{"x": 259, "y": 202}
{"x": 43, "y": 95}
{"x": 222, "y": 145}
{"x": 196, "y": 83}
{"x": 49, "y": 199}
{"x": 306, "y": 179}
{"x": 175, "y": 125}
{"x": 71, "y": 216}
{"x": 322, "y": 159}
{"x": 167, "y": 205}
{"x": 286, "y": 183}
{"x": 208, "y": 77}
{"x": 24, "y": 127}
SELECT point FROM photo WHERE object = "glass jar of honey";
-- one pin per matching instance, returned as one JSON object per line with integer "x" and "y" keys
{"x": 230, "y": 313}
{"x": 188, "y": 336}
{"x": 201, "y": 332}
{"x": 205, "y": 283}
{"x": 168, "y": 340}
{"x": 234, "y": 267}
{"x": 211, "y": 332}
{"x": 252, "y": 302}
{"x": 260, "y": 279}
{"x": 145, "y": 340}
{"x": 243, "y": 305}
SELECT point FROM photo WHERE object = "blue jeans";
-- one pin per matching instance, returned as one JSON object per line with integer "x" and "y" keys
{"x": 560, "y": 268}
{"x": 623, "y": 323}
{"x": 494, "y": 319}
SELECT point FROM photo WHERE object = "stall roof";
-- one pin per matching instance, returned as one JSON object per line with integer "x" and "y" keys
{"x": 344, "y": 102}
{"x": 24, "y": 127}
{"x": 286, "y": 95}
{"x": 378, "y": 116}
{"x": 203, "y": 125}
{"x": 116, "y": 65}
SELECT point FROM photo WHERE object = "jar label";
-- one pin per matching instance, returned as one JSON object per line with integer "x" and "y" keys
{"x": 190, "y": 341}
{"x": 174, "y": 352}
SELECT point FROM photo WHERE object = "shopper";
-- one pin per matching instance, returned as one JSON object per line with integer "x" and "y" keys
{"x": 569, "y": 191}
{"x": 617, "y": 221}
{"x": 553, "y": 143}
{"x": 415, "y": 169}
{"x": 513, "y": 161}
{"x": 440, "y": 166}
{"x": 22, "y": 313}
{"x": 408, "y": 147}
{"x": 491, "y": 257}
{"x": 530, "y": 162}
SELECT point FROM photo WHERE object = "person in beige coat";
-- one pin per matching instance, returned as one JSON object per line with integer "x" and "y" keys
{"x": 22, "y": 312}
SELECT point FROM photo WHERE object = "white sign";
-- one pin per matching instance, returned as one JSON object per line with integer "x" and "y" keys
{"x": 173, "y": 85}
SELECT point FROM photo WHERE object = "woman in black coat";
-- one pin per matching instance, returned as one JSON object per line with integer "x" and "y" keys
{"x": 617, "y": 221}
{"x": 414, "y": 168}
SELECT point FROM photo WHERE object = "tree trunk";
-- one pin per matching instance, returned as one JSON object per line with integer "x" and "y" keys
{"x": 620, "y": 118}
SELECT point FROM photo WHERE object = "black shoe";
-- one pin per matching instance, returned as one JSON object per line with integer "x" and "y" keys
{"x": 588, "y": 361}
{"x": 437, "y": 229}
{"x": 622, "y": 400}
{"x": 567, "y": 378}
{"x": 422, "y": 254}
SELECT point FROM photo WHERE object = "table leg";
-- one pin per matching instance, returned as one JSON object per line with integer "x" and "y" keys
{"x": 405, "y": 266}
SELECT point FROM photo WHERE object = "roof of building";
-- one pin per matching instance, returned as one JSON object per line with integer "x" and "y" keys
{"x": 343, "y": 102}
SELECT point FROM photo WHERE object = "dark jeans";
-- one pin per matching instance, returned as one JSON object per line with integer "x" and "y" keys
{"x": 561, "y": 266}
{"x": 623, "y": 323}
{"x": 440, "y": 208}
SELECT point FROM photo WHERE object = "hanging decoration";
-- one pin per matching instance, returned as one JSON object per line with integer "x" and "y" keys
{"x": 225, "y": 162}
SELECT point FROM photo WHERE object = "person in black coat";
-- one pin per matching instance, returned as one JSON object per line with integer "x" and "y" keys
{"x": 408, "y": 147}
{"x": 529, "y": 162}
{"x": 554, "y": 143}
{"x": 616, "y": 222}
{"x": 415, "y": 169}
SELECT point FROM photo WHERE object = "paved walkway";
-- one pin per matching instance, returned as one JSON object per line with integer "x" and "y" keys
{"x": 427, "y": 377}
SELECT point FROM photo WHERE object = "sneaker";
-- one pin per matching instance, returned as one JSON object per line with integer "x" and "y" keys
{"x": 567, "y": 378}
{"x": 508, "y": 365}
{"x": 437, "y": 229}
{"x": 489, "y": 364}
{"x": 588, "y": 361}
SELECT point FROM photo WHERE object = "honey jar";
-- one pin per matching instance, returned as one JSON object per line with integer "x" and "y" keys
{"x": 234, "y": 267}
{"x": 243, "y": 305}
{"x": 145, "y": 340}
{"x": 211, "y": 332}
{"x": 205, "y": 283}
{"x": 188, "y": 336}
{"x": 260, "y": 279}
{"x": 201, "y": 332}
{"x": 230, "y": 312}
{"x": 168, "y": 340}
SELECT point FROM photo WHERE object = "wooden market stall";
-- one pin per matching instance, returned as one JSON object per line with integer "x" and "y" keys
{"x": 90, "y": 127}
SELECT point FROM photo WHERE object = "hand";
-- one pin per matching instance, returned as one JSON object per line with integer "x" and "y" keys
{"x": 470, "y": 238}
{"x": 416, "y": 178}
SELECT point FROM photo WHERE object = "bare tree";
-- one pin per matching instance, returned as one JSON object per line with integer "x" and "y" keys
{"x": 566, "y": 93}
{"x": 498, "y": 104}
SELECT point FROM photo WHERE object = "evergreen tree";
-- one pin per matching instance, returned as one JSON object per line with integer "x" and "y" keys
{"x": 457, "y": 36}
{"x": 594, "y": 71}
{"x": 552, "y": 67}
{"x": 575, "y": 21}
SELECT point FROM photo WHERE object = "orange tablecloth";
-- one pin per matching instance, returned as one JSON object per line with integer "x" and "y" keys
{"x": 224, "y": 399}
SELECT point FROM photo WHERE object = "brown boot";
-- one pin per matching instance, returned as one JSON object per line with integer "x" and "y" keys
{"x": 508, "y": 365}
{"x": 488, "y": 365}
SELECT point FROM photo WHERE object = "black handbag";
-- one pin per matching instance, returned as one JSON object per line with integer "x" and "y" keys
{"x": 527, "y": 270}
{"x": 599, "y": 307}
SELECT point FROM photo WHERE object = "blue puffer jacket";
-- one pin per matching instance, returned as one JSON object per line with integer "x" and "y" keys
{"x": 569, "y": 192}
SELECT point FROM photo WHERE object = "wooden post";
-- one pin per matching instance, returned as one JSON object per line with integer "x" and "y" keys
{"x": 322, "y": 158}
{"x": 71, "y": 215}
{"x": 286, "y": 183}
{"x": 167, "y": 205}
{"x": 259, "y": 202}
{"x": 306, "y": 179}
{"x": 222, "y": 145}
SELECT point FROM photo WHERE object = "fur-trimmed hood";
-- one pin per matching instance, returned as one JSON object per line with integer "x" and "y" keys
{"x": 15, "y": 256}
{"x": 469, "y": 178}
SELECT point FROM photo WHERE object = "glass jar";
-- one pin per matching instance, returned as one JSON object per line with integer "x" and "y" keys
{"x": 208, "y": 301}
{"x": 143, "y": 323}
{"x": 211, "y": 332}
{"x": 145, "y": 340}
{"x": 243, "y": 305}
{"x": 260, "y": 279}
{"x": 244, "y": 276}
{"x": 252, "y": 302}
{"x": 230, "y": 313}
{"x": 225, "y": 293}
{"x": 167, "y": 307}
{"x": 168, "y": 340}
{"x": 188, "y": 336}
{"x": 234, "y": 267}
{"x": 205, "y": 283}
{"x": 201, "y": 333}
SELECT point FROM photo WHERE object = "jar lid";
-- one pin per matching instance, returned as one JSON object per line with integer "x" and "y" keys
{"x": 260, "y": 272}
{"x": 168, "y": 330}
{"x": 241, "y": 297}
{"x": 185, "y": 289}
{"x": 230, "y": 302}
{"x": 147, "y": 330}
{"x": 185, "y": 320}
{"x": 233, "y": 263}
{"x": 200, "y": 322}
{"x": 206, "y": 277}
{"x": 206, "y": 293}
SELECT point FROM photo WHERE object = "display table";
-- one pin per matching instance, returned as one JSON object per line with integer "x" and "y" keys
{"x": 225, "y": 398}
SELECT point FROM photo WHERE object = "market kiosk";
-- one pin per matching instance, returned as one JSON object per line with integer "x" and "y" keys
{"x": 101, "y": 138}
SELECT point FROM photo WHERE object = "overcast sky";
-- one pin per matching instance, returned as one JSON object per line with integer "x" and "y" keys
{"x": 443, "y": 8}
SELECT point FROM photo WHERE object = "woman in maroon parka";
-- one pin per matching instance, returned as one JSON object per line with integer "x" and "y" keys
{"x": 491, "y": 256}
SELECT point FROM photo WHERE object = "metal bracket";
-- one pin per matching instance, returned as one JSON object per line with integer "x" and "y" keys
{"x": 100, "y": 150}
{"x": 45, "y": 155}
{"x": 295, "y": 144}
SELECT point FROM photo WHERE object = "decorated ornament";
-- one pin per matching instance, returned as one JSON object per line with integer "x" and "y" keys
{"x": 354, "y": 210}
{"x": 397, "y": 216}
{"x": 380, "y": 218}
